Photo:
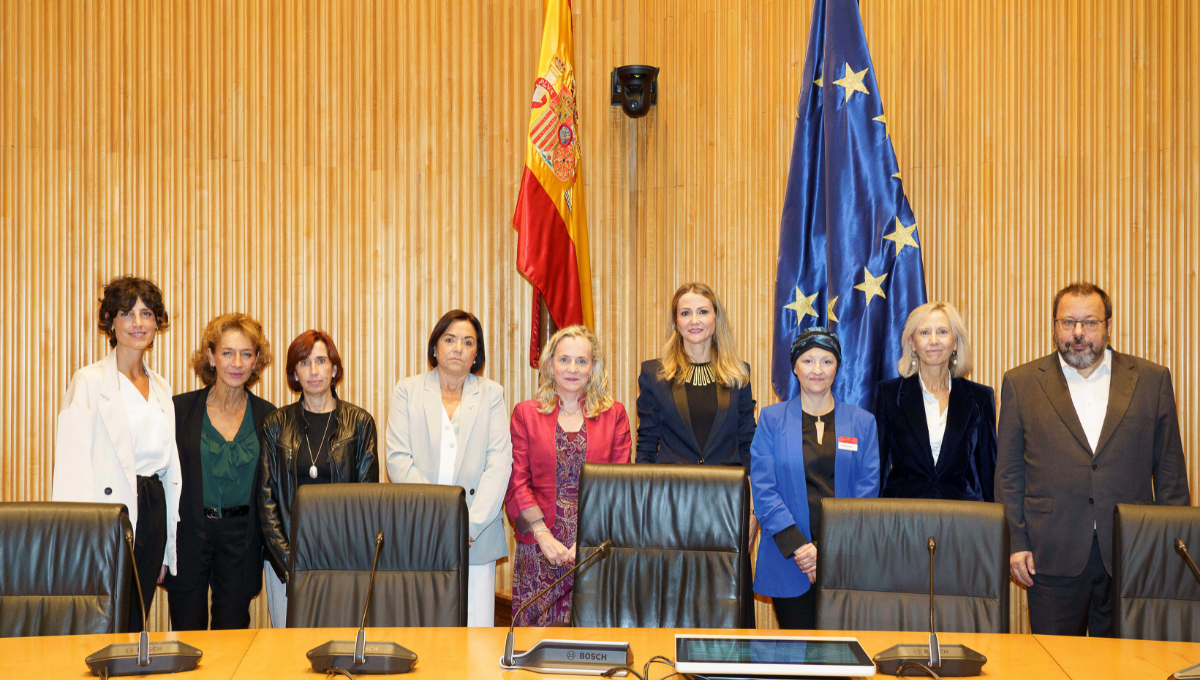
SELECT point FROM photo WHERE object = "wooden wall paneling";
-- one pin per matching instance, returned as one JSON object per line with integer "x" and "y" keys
{"x": 354, "y": 166}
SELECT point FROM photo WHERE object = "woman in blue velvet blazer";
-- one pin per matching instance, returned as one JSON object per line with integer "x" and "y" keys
{"x": 937, "y": 430}
{"x": 795, "y": 460}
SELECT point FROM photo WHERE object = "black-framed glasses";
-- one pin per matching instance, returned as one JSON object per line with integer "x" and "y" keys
{"x": 1068, "y": 325}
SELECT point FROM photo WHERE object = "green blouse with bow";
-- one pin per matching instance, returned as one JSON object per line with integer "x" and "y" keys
{"x": 228, "y": 466}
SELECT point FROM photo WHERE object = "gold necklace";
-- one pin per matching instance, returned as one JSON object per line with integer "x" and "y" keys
{"x": 700, "y": 374}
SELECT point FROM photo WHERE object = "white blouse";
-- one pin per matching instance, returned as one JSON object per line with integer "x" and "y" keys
{"x": 149, "y": 428}
{"x": 449, "y": 447}
{"x": 935, "y": 418}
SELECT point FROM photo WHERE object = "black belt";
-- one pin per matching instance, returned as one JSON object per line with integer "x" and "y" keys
{"x": 235, "y": 511}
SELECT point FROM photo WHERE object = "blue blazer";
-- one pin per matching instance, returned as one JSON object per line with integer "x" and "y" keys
{"x": 664, "y": 432}
{"x": 966, "y": 466}
{"x": 781, "y": 493}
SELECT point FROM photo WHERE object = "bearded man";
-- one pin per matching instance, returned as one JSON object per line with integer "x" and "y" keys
{"x": 1081, "y": 430}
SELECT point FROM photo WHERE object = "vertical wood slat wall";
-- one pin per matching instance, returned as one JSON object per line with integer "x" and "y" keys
{"x": 354, "y": 166}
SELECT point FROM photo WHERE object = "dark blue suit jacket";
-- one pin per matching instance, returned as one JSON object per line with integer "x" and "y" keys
{"x": 664, "y": 432}
{"x": 966, "y": 466}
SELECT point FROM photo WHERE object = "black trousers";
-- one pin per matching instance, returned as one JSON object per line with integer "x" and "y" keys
{"x": 149, "y": 545}
{"x": 223, "y": 568}
{"x": 1073, "y": 605}
{"x": 797, "y": 613}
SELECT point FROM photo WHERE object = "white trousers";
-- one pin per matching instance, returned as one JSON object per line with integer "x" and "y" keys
{"x": 481, "y": 595}
{"x": 276, "y": 597}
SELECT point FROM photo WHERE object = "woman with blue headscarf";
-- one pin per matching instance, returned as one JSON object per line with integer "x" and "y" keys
{"x": 805, "y": 449}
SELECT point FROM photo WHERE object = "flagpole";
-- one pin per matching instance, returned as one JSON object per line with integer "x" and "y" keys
{"x": 546, "y": 326}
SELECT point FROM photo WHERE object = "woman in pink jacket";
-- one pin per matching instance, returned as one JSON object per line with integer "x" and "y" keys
{"x": 572, "y": 420}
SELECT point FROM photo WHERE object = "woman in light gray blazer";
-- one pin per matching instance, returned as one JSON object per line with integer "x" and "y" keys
{"x": 450, "y": 426}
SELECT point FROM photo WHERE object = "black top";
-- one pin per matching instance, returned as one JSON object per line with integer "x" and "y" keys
{"x": 820, "y": 460}
{"x": 669, "y": 426}
{"x": 702, "y": 405}
{"x": 318, "y": 423}
{"x": 818, "y": 467}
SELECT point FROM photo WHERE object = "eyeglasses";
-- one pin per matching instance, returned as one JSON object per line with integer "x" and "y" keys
{"x": 1068, "y": 325}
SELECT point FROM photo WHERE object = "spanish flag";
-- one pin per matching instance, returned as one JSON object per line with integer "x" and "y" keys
{"x": 551, "y": 223}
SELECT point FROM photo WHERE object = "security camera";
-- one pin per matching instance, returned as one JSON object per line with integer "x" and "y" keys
{"x": 634, "y": 89}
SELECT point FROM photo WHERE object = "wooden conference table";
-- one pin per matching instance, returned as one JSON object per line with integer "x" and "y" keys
{"x": 450, "y": 653}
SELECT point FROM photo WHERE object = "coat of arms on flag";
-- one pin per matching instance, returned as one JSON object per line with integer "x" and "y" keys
{"x": 551, "y": 218}
{"x": 552, "y": 132}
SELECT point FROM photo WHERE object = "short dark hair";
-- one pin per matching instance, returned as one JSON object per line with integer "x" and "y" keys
{"x": 302, "y": 347}
{"x": 1082, "y": 289}
{"x": 121, "y": 294}
{"x": 443, "y": 325}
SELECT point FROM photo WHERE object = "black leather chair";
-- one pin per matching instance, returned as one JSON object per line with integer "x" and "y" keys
{"x": 64, "y": 569}
{"x": 873, "y": 565}
{"x": 679, "y": 556}
{"x": 422, "y": 574}
{"x": 1155, "y": 595}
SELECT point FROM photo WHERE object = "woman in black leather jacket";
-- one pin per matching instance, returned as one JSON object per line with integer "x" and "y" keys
{"x": 320, "y": 439}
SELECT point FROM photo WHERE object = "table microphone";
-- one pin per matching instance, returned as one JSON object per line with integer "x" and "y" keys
{"x": 951, "y": 661}
{"x": 1191, "y": 672}
{"x": 144, "y": 658}
{"x": 360, "y": 656}
{"x": 574, "y": 657}
{"x": 1181, "y": 549}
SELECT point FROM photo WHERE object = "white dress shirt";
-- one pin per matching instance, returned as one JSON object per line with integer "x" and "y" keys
{"x": 149, "y": 428}
{"x": 449, "y": 447}
{"x": 1090, "y": 396}
{"x": 935, "y": 418}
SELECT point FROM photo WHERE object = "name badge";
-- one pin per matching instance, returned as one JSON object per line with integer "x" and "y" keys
{"x": 848, "y": 443}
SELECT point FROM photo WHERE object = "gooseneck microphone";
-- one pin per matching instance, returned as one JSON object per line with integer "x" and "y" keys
{"x": 338, "y": 656}
{"x": 169, "y": 656}
{"x": 949, "y": 660}
{"x": 935, "y": 649}
{"x": 360, "y": 642}
{"x": 574, "y": 657}
{"x": 1191, "y": 672}
{"x": 511, "y": 639}
{"x": 1181, "y": 549}
{"x": 143, "y": 658}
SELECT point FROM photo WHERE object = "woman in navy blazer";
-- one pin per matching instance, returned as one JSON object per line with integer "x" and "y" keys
{"x": 805, "y": 449}
{"x": 694, "y": 405}
{"x": 937, "y": 430}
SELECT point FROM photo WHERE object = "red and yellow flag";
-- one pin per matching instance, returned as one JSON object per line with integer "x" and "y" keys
{"x": 551, "y": 223}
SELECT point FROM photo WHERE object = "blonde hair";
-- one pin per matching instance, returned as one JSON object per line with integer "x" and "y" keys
{"x": 960, "y": 362}
{"x": 596, "y": 398}
{"x": 727, "y": 366}
{"x": 212, "y": 335}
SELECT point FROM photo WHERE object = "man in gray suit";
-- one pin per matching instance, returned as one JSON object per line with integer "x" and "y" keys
{"x": 1080, "y": 431}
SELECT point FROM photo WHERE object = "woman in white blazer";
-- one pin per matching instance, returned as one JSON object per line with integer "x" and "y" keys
{"x": 116, "y": 433}
{"x": 450, "y": 426}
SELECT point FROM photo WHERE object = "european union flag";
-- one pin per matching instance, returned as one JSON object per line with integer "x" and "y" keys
{"x": 849, "y": 256}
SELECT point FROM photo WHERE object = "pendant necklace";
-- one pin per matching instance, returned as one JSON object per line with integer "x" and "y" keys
{"x": 312, "y": 470}
{"x": 820, "y": 431}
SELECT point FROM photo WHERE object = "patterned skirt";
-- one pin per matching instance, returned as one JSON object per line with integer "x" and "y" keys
{"x": 531, "y": 570}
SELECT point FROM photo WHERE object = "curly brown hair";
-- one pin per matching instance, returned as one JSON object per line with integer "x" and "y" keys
{"x": 215, "y": 330}
{"x": 121, "y": 294}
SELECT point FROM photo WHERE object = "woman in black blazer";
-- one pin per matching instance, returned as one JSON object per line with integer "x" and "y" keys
{"x": 695, "y": 406}
{"x": 217, "y": 432}
{"x": 937, "y": 430}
